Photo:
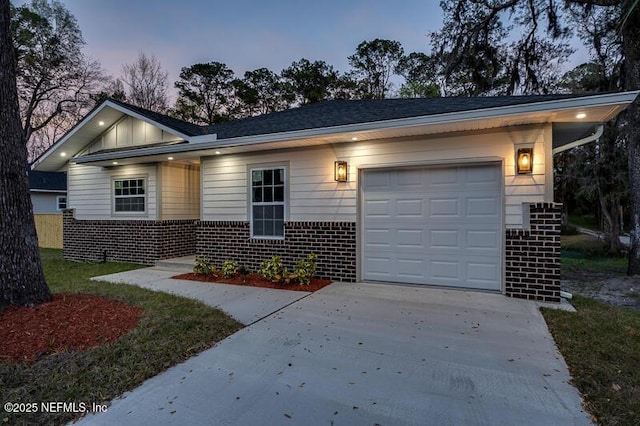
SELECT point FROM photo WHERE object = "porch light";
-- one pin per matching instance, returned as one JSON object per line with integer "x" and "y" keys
{"x": 169, "y": 158}
{"x": 581, "y": 115}
{"x": 525, "y": 161}
{"x": 63, "y": 154}
{"x": 100, "y": 123}
{"x": 341, "y": 171}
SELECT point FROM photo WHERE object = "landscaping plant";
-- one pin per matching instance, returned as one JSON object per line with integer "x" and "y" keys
{"x": 272, "y": 269}
{"x": 306, "y": 269}
{"x": 203, "y": 265}
{"x": 229, "y": 268}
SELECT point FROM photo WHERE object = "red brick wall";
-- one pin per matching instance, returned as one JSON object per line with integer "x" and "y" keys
{"x": 533, "y": 256}
{"x": 333, "y": 242}
{"x": 135, "y": 241}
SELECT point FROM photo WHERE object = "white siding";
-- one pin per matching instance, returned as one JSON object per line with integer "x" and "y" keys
{"x": 130, "y": 131}
{"x": 315, "y": 196}
{"x": 90, "y": 193}
{"x": 180, "y": 191}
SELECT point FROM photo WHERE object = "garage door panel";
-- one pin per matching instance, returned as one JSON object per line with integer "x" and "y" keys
{"x": 410, "y": 239}
{"x": 437, "y": 226}
{"x": 444, "y": 207}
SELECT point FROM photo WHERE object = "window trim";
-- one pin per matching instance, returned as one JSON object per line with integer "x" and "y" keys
{"x": 112, "y": 189}
{"x": 58, "y": 197}
{"x": 285, "y": 216}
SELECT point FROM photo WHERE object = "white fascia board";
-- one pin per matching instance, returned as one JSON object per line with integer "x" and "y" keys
{"x": 57, "y": 191}
{"x": 107, "y": 104}
{"x": 206, "y": 142}
{"x": 147, "y": 120}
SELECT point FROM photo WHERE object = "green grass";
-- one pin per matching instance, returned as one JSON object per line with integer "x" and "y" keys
{"x": 588, "y": 221}
{"x": 584, "y": 256}
{"x": 171, "y": 330}
{"x": 601, "y": 344}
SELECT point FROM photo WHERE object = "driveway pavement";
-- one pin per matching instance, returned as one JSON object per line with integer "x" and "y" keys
{"x": 366, "y": 354}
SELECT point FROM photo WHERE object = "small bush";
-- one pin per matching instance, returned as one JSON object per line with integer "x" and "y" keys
{"x": 229, "y": 268}
{"x": 203, "y": 265}
{"x": 272, "y": 269}
{"x": 306, "y": 269}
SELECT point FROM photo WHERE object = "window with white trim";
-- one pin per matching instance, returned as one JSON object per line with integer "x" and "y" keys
{"x": 267, "y": 202}
{"x": 129, "y": 195}
{"x": 61, "y": 201}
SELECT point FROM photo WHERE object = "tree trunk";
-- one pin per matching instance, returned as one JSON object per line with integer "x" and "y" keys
{"x": 21, "y": 278}
{"x": 631, "y": 51}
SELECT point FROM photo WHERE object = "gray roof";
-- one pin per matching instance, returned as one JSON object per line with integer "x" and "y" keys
{"x": 47, "y": 181}
{"x": 343, "y": 112}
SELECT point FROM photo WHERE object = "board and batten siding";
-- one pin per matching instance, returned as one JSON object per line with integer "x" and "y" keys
{"x": 130, "y": 132}
{"x": 90, "y": 193}
{"x": 315, "y": 196}
{"x": 179, "y": 191}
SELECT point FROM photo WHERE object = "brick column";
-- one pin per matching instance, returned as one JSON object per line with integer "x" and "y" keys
{"x": 533, "y": 256}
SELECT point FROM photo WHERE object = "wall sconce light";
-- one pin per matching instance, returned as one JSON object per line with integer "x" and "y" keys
{"x": 341, "y": 171}
{"x": 524, "y": 163}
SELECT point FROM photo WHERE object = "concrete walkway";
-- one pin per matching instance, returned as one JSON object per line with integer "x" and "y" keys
{"x": 244, "y": 303}
{"x": 365, "y": 354}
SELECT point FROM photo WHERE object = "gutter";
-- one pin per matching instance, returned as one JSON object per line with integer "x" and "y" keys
{"x": 591, "y": 138}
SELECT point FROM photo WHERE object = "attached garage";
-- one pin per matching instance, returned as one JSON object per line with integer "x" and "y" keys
{"x": 438, "y": 226}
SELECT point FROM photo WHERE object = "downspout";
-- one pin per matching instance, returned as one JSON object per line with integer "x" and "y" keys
{"x": 592, "y": 138}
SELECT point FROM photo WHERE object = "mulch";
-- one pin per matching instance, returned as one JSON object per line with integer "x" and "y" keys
{"x": 69, "y": 322}
{"x": 256, "y": 280}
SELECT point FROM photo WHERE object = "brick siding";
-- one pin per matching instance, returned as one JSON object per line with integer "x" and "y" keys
{"x": 533, "y": 256}
{"x": 333, "y": 242}
{"x": 135, "y": 241}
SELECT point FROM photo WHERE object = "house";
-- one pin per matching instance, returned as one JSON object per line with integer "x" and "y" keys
{"x": 48, "y": 191}
{"x": 454, "y": 192}
{"x": 49, "y": 198}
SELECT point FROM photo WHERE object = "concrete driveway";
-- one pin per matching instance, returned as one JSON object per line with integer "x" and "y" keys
{"x": 367, "y": 354}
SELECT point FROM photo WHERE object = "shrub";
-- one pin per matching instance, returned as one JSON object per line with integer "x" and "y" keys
{"x": 306, "y": 269}
{"x": 203, "y": 265}
{"x": 568, "y": 230}
{"x": 272, "y": 269}
{"x": 229, "y": 268}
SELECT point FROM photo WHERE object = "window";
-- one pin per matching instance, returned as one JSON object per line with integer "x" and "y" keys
{"x": 129, "y": 195}
{"x": 267, "y": 202}
{"x": 61, "y": 201}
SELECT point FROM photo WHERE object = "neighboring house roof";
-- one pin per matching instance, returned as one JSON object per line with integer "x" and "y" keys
{"x": 339, "y": 121}
{"x": 47, "y": 181}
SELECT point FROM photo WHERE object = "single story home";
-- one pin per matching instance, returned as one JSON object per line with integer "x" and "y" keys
{"x": 48, "y": 191}
{"x": 453, "y": 192}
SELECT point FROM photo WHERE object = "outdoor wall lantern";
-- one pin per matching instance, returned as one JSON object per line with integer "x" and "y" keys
{"x": 524, "y": 162}
{"x": 341, "y": 171}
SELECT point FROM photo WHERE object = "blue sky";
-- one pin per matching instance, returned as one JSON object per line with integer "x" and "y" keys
{"x": 247, "y": 34}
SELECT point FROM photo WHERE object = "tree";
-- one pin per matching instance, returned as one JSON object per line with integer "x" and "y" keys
{"x": 206, "y": 93}
{"x": 475, "y": 28}
{"x": 54, "y": 79}
{"x": 146, "y": 83}
{"x": 22, "y": 280}
{"x": 374, "y": 63}
{"x": 420, "y": 73}
{"x": 261, "y": 91}
{"x": 310, "y": 82}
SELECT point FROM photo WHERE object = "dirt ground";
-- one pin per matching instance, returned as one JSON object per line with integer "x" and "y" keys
{"x": 617, "y": 290}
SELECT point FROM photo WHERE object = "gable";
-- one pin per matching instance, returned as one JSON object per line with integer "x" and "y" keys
{"x": 130, "y": 132}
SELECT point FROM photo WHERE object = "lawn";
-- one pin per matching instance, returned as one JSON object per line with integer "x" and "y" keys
{"x": 600, "y": 342}
{"x": 171, "y": 330}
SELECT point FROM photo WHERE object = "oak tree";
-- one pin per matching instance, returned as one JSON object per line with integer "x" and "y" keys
{"x": 22, "y": 280}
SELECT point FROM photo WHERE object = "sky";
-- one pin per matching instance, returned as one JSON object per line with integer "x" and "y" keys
{"x": 246, "y": 34}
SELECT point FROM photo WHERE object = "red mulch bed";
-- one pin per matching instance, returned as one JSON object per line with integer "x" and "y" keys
{"x": 68, "y": 322}
{"x": 255, "y": 280}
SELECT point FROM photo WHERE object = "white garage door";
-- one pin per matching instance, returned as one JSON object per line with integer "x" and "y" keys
{"x": 437, "y": 226}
